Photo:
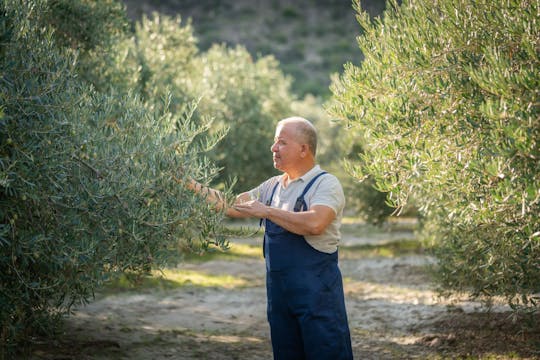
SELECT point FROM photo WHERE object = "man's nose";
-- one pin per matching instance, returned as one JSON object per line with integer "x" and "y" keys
{"x": 273, "y": 148}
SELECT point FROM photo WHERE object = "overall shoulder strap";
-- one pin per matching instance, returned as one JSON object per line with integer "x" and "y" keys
{"x": 300, "y": 204}
{"x": 269, "y": 201}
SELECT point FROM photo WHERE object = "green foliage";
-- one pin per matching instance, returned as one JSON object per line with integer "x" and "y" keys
{"x": 236, "y": 93}
{"x": 248, "y": 97}
{"x": 301, "y": 34}
{"x": 445, "y": 107}
{"x": 165, "y": 52}
{"x": 89, "y": 180}
{"x": 84, "y": 24}
{"x": 99, "y": 32}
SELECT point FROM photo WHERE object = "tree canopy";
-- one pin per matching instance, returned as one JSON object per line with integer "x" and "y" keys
{"x": 445, "y": 111}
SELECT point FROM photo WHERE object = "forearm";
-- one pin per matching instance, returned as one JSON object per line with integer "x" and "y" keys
{"x": 311, "y": 222}
{"x": 301, "y": 223}
{"x": 217, "y": 199}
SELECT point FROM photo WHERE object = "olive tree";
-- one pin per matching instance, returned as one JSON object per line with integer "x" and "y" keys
{"x": 91, "y": 178}
{"x": 445, "y": 107}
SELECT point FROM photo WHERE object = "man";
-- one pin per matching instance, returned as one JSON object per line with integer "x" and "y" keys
{"x": 302, "y": 210}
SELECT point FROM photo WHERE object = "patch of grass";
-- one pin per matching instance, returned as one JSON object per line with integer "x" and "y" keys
{"x": 201, "y": 279}
{"x": 234, "y": 252}
{"x": 171, "y": 279}
{"x": 290, "y": 13}
{"x": 391, "y": 224}
{"x": 390, "y": 249}
{"x": 280, "y": 38}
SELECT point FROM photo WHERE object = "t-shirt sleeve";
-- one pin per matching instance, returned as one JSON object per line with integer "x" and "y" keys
{"x": 263, "y": 192}
{"x": 328, "y": 192}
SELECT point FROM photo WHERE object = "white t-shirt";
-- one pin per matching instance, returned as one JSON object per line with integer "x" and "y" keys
{"x": 326, "y": 190}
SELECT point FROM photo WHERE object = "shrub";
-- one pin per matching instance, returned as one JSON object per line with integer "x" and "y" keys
{"x": 445, "y": 107}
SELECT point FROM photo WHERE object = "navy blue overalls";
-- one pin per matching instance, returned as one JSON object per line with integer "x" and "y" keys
{"x": 306, "y": 307}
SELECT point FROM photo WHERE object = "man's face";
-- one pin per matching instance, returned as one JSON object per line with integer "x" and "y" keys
{"x": 286, "y": 150}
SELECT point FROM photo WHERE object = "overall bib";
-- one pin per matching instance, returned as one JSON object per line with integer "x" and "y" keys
{"x": 306, "y": 306}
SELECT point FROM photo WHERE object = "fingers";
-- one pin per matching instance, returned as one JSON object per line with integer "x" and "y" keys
{"x": 245, "y": 206}
{"x": 241, "y": 207}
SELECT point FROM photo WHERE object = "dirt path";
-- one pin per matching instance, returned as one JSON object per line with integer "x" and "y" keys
{"x": 393, "y": 313}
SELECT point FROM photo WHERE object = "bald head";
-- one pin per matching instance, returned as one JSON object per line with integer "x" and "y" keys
{"x": 305, "y": 131}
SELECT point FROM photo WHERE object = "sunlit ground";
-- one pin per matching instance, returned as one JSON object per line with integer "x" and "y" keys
{"x": 213, "y": 306}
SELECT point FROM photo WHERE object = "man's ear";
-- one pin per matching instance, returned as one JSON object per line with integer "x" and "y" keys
{"x": 304, "y": 151}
